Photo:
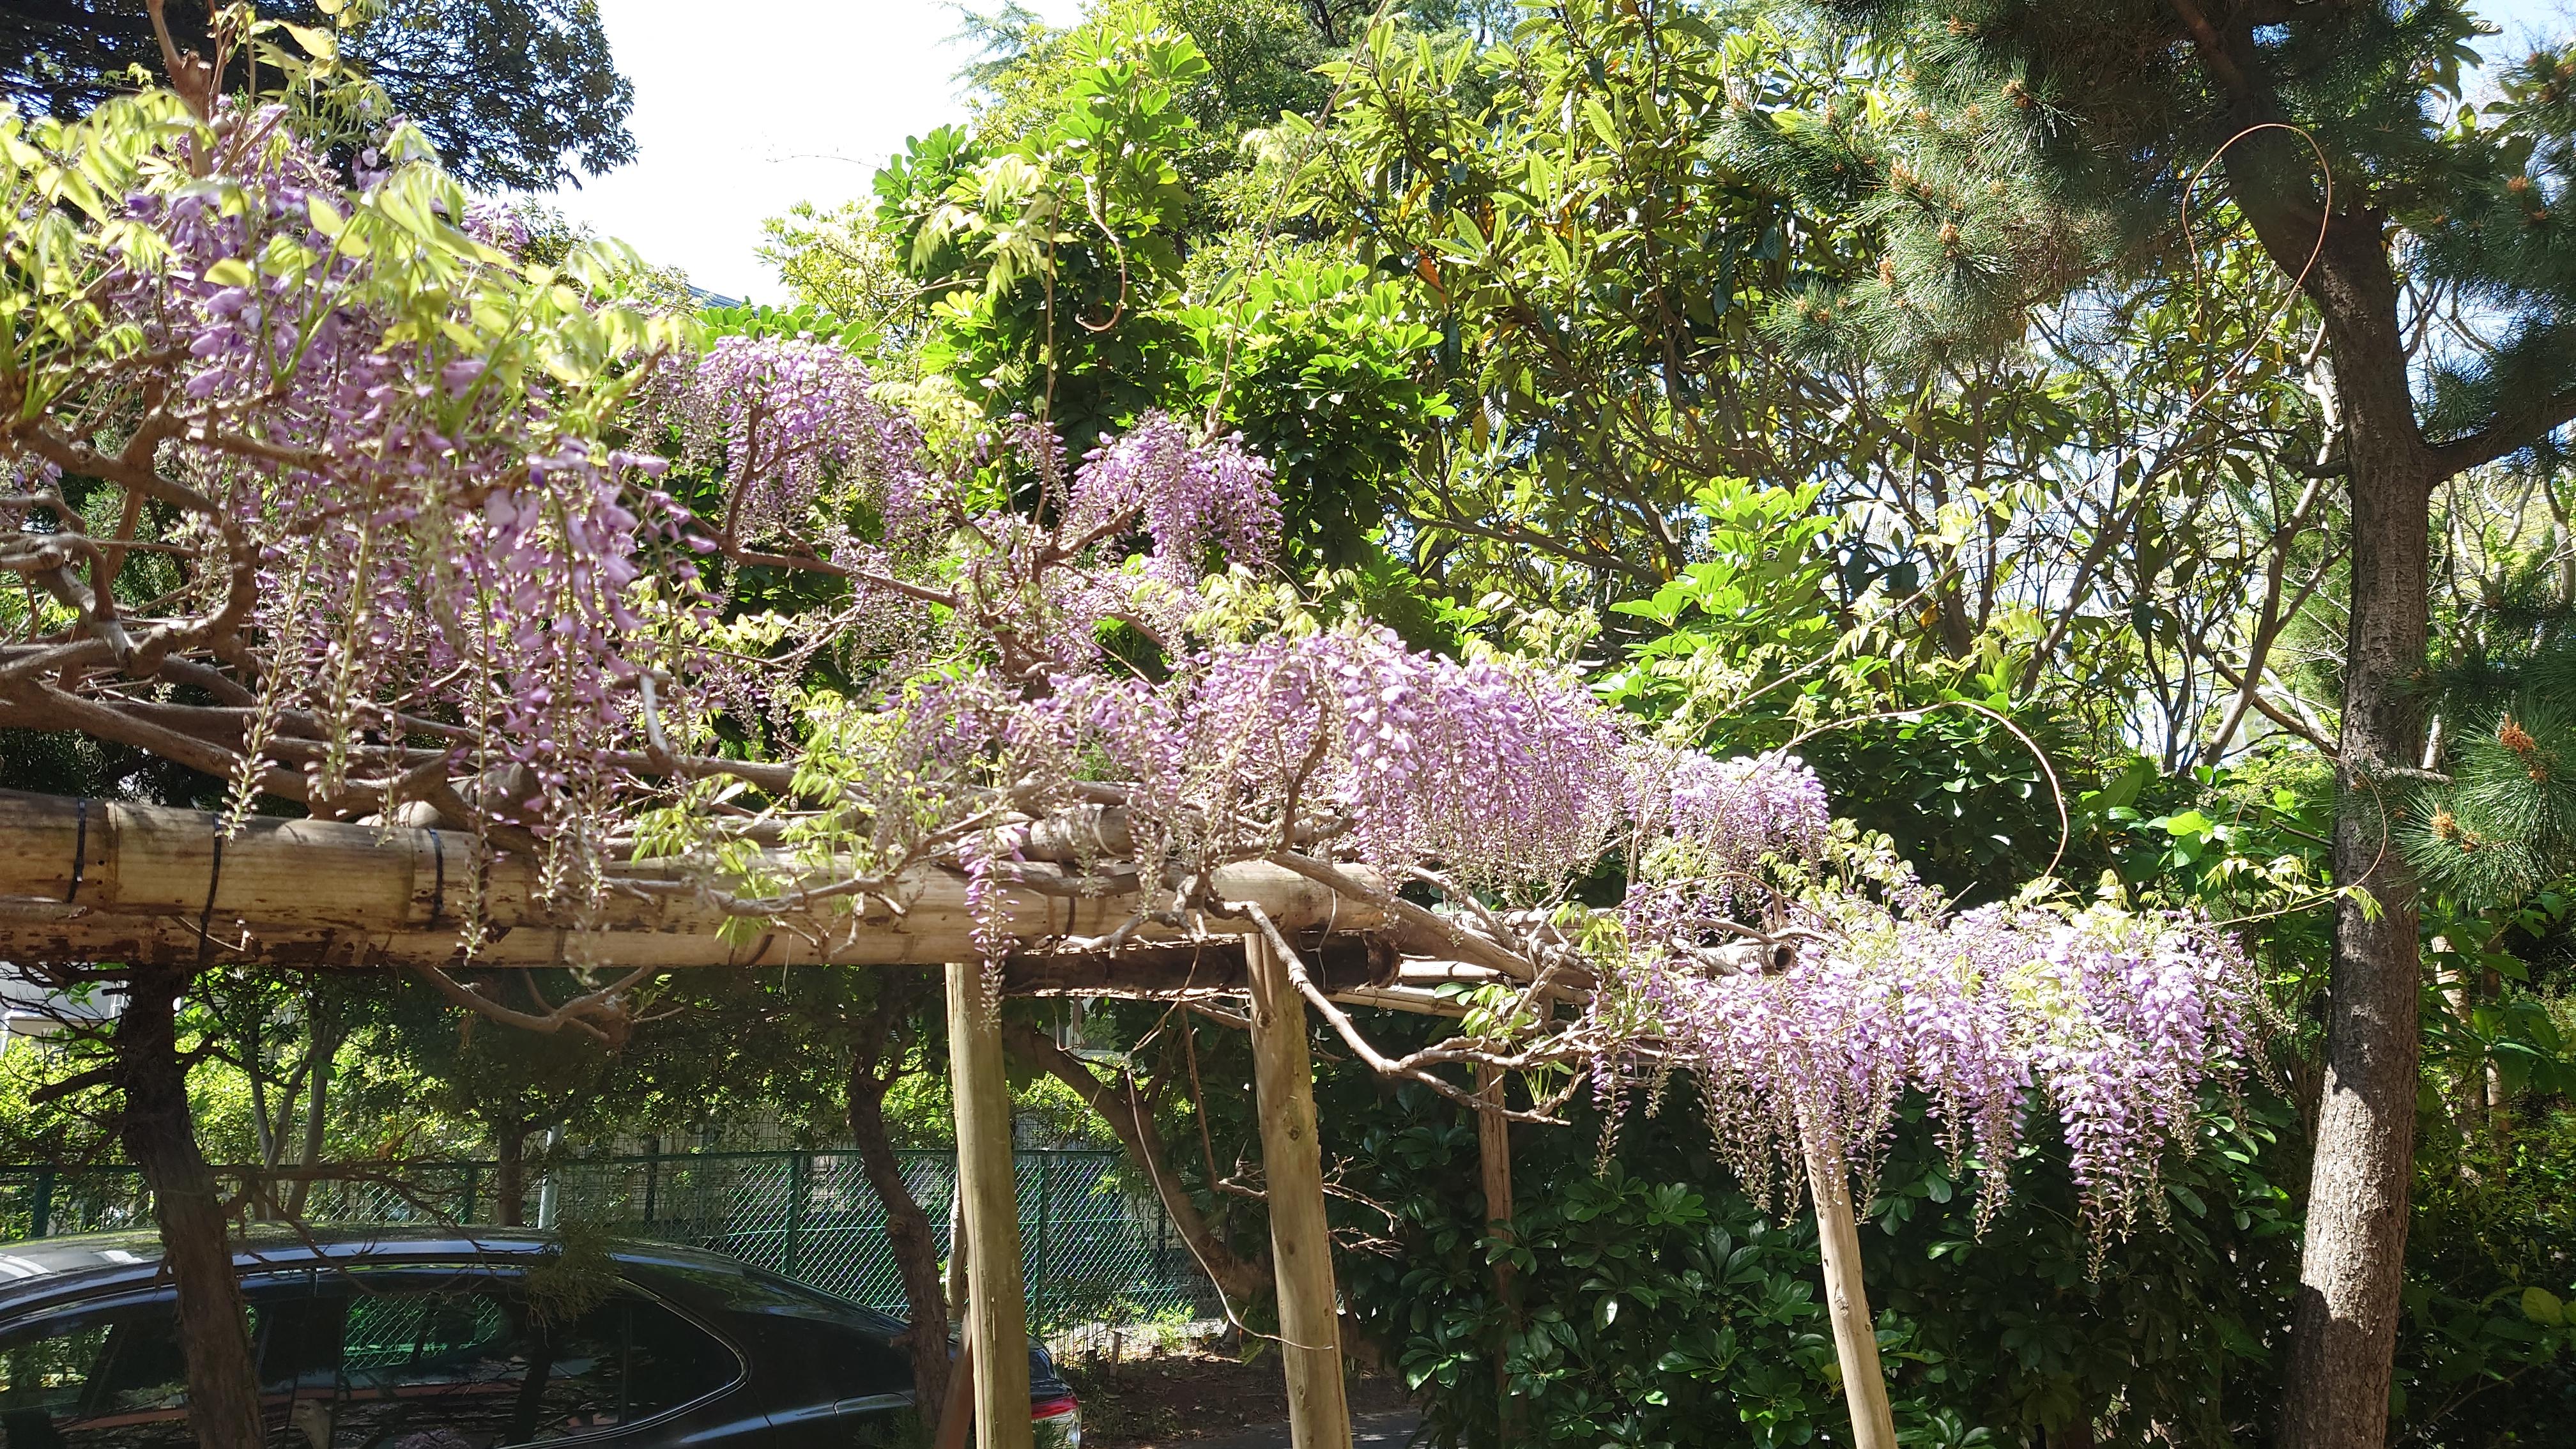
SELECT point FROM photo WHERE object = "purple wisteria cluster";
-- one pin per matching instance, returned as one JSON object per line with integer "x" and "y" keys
{"x": 1707, "y": 826}
{"x": 2113, "y": 1021}
{"x": 397, "y": 527}
{"x": 419, "y": 576}
{"x": 788, "y": 418}
{"x": 1190, "y": 496}
{"x": 1496, "y": 772}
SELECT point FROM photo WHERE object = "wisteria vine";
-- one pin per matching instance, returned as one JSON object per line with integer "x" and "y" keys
{"x": 467, "y": 537}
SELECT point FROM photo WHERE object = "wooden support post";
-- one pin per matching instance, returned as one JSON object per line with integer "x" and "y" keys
{"x": 1292, "y": 1164}
{"x": 958, "y": 1249}
{"x": 957, "y": 1412}
{"x": 1494, "y": 1164}
{"x": 1855, "y": 1332}
{"x": 997, "y": 1322}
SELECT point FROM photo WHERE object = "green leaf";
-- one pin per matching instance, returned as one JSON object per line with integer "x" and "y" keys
{"x": 317, "y": 43}
{"x": 230, "y": 272}
{"x": 2542, "y": 1306}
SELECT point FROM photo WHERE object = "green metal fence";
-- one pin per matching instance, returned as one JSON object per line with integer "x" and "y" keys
{"x": 1092, "y": 1248}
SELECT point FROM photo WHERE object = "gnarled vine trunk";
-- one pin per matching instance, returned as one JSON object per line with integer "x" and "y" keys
{"x": 158, "y": 1133}
{"x": 908, "y": 1230}
{"x": 1242, "y": 1280}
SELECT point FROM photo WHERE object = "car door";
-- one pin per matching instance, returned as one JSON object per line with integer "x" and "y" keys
{"x": 835, "y": 1385}
{"x": 470, "y": 1358}
{"x": 831, "y": 1375}
{"x": 109, "y": 1373}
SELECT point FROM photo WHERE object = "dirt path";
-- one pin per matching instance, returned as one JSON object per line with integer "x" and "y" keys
{"x": 1208, "y": 1402}
{"x": 1368, "y": 1431}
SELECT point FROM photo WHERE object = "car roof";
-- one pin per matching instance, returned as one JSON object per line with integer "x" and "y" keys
{"x": 46, "y": 1267}
{"x": 38, "y": 1274}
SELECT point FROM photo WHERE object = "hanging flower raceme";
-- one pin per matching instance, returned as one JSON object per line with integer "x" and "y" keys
{"x": 1499, "y": 773}
{"x": 1705, "y": 827}
{"x": 1189, "y": 496}
{"x": 789, "y": 418}
{"x": 374, "y": 431}
{"x": 2111, "y": 1020}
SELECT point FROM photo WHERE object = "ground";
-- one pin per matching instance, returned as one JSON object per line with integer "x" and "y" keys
{"x": 1195, "y": 1398}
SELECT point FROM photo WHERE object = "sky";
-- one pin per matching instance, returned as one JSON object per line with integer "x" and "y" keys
{"x": 802, "y": 100}
{"x": 745, "y": 107}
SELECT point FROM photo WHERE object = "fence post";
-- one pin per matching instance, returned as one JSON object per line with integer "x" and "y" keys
{"x": 1162, "y": 1271}
{"x": 1046, "y": 1217}
{"x": 40, "y": 1212}
{"x": 465, "y": 1210}
{"x": 800, "y": 1170}
{"x": 652, "y": 1175}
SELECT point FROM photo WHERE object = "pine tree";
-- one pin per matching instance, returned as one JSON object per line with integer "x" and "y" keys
{"x": 2032, "y": 146}
{"x": 2500, "y": 822}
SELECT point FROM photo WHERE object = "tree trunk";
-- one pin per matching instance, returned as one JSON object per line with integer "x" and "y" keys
{"x": 1118, "y": 1103}
{"x": 317, "y": 1106}
{"x": 1494, "y": 1169}
{"x": 908, "y": 1232}
{"x": 158, "y": 1132}
{"x": 510, "y": 1176}
{"x": 2352, "y": 1270}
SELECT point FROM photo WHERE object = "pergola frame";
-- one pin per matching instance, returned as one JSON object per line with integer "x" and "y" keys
{"x": 84, "y": 881}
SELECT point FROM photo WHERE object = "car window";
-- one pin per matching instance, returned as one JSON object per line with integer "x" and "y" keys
{"x": 746, "y": 1289}
{"x": 852, "y": 1364}
{"x": 469, "y": 1361}
{"x": 113, "y": 1377}
{"x": 837, "y": 1349}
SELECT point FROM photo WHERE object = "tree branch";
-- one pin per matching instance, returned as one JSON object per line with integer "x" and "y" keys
{"x": 2506, "y": 436}
{"x": 1120, "y": 1105}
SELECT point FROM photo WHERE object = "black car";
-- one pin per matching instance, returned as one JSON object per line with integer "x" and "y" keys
{"x": 458, "y": 1338}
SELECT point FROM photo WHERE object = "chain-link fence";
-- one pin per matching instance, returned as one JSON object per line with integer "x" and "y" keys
{"x": 1093, "y": 1250}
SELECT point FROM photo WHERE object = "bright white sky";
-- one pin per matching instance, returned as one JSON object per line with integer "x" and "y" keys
{"x": 745, "y": 107}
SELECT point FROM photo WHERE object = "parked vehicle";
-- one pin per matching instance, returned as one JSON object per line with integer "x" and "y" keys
{"x": 453, "y": 1338}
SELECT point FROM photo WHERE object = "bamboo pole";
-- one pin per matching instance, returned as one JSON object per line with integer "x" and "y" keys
{"x": 1292, "y": 1165}
{"x": 1855, "y": 1332}
{"x": 997, "y": 1323}
{"x": 103, "y": 880}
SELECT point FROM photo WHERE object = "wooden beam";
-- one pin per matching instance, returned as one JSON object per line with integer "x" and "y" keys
{"x": 1292, "y": 1170}
{"x": 108, "y": 881}
{"x": 997, "y": 1322}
